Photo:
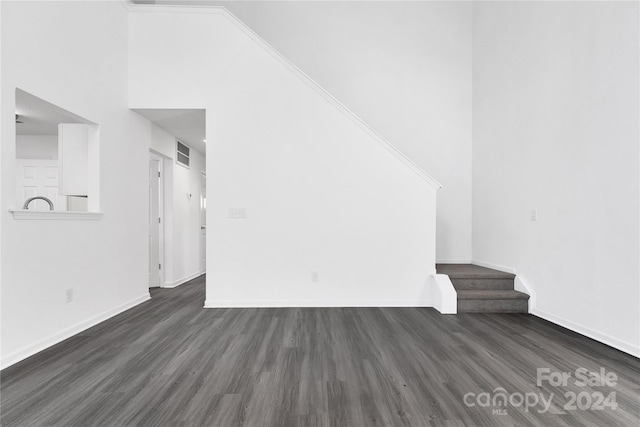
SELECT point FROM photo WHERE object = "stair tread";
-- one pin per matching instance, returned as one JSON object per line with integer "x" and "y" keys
{"x": 491, "y": 294}
{"x": 483, "y": 284}
{"x": 470, "y": 271}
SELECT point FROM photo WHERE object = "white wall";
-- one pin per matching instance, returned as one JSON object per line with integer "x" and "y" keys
{"x": 321, "y": 194}
{"x": 74, "y": 55}
{"x": 2, "y": 126}
{"x": 404, "y": 68}
{"x": 555, "y": 130}
{"x": 37, "y": 147}
{"x": 182, "y": 237}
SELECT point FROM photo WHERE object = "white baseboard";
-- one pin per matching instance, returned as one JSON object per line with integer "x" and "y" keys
{"x": 444, "y": 295}
{"x": 43, "y": 344}
{"x": 312, "y": 303}
{"x": 185, "y": 279}
{"x": 494, "y": 266}
{"x": 616, "y": 343}
{"x": 521, "y": 284}
{"x": 453, "y": 261}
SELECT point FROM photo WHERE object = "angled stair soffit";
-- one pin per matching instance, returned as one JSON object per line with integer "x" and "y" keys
{"x": 220, "y": 10}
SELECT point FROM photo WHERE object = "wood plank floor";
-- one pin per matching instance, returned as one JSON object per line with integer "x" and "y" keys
{"x": 169, "y": 362}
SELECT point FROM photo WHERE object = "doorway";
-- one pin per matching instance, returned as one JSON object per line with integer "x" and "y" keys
{"x": 178, "y": 142}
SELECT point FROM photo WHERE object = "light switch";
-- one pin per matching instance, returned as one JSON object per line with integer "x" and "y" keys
{"x": 534, "y": 215}
{"x": 237, "y": 213}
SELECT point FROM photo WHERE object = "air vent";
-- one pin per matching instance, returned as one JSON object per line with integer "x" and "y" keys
{"x": 182, "y": 154}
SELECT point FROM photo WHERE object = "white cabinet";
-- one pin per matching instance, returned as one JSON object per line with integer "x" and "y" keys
{"x": 73, "y": 149}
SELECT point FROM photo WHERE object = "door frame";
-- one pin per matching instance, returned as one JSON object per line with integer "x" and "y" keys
{"x": 161, "y": 214}
{"x": 203, "y": 220}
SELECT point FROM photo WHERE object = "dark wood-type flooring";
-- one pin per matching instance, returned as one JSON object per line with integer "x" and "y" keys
{"x": 169, "y": 362}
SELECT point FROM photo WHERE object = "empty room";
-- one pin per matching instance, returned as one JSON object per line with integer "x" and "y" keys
{"x": 319, "y": 213}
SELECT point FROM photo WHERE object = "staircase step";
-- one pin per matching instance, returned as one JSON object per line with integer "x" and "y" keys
{"x": 491, "y": 294}
{"x": 471, "y": 271}
{"x": 499, "y": 284}
{"x": 492, "y": 301}
{"x": 474, "y": 277}
{"x": 484, "y": 290}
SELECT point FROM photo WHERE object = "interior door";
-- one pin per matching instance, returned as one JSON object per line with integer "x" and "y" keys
{"x": 36, "y": 177}
{"x": 203, "y": 222}
{"x": 154, "y": 225}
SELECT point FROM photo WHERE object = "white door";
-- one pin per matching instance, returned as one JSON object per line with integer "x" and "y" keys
{"x": 203, "y": 222}
{"x": 36, "y": 177}
{"x": 154, "y": 223}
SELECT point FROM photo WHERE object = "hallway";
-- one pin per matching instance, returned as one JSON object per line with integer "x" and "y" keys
{"x": 171, "y": 362}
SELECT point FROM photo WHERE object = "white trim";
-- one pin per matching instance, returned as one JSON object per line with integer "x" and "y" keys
{"x": 43, "y": 344}
{"x": 420, "y": 302}
{"x": 39, "y": 215}
{"x": 299, "y": 73}
{"x": 179, "y": 282}
{"x": 494, "y": 266}
{"x": 159, "y": 154}
{"x": 153, "y": 155}
{"x": 616, "y": 343}
{"x": 454, "y": 261}
{"x": 167, "y": 8}
{"x": 124, "y": 3}
{"x": 203, "y": 221}
{"x": 166, "y": 207}
{"x": 521, "y": 284}
{"x": 444, "y": 295}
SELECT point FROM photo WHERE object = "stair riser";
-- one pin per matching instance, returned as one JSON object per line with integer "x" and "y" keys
{"x": 477, "y": 283}
{"x": 493, "y": 306}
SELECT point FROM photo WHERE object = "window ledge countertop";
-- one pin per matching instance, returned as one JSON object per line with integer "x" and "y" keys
{"x": 29, "y": 214}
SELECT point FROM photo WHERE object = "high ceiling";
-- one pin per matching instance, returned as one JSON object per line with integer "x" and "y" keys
{"x": 188, "y": 125}
{"x": 40, "y": 117}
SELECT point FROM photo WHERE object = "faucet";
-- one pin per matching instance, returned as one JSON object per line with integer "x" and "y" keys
{"x": 26, "y": 204}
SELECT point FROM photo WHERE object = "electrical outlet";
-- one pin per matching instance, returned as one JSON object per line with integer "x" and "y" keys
{"x": 69, "y": 295}
{"x": 237, "y": 213}
{"x": 315, "y": 277}
{"x": 534, "y": 215}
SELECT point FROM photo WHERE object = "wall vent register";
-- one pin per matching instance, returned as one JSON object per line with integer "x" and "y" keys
{"x": 182, "y": 154}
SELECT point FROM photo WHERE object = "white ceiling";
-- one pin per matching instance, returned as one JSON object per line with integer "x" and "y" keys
{"x": 188, "y": 125}
{"x": 40, "y": 117}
